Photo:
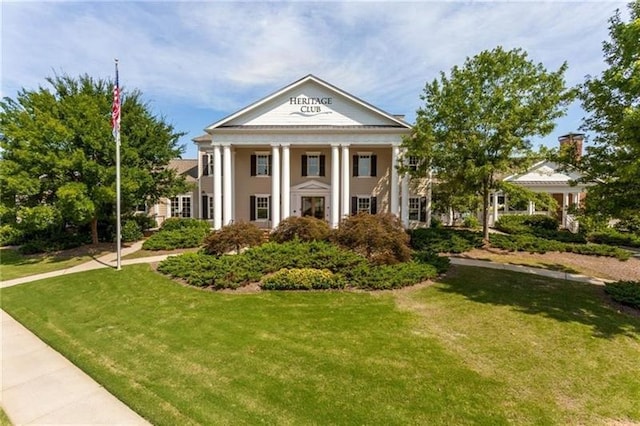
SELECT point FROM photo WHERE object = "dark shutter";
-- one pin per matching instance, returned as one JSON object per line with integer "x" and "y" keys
{"x": 253, "y": 167}
{"x": 205, "y": 165}
{"x": 374, "y": 205}
{"x": 423, "y": 209}
{"x": 205, "y": 207}
{"x": 304, "y": 165}
{"x": 374, "y": 165}
{"x": 270, "y": 164}
{"x": 252, "y": 206}
{"x": 269, "y": 207}
{"x": 354, "y": 205}
{"x": 322, "y": 157}
{"x": 355, "y": 165}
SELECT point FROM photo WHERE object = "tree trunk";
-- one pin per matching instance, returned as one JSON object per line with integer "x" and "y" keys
{"x": 94, "y": 230}
{"x": 485, "y": 214}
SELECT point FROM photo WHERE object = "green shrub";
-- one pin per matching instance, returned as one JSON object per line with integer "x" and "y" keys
{"x": 380, "y": 237}
{"x": 519, "y": 224}
{"x": 177, "y": 223}
{"x": 175, "y": 239}
{"x": 626, "y": 292}
{"x": 305, "y": 228}
{"x": 271, "y": 257}
{"x": 615, "y": 237}
{"x": 471, "y": 222}
{"x": 61, "y": 241}
{"x": 302, "y": 279}
{"x": 441, "y": 263}
{"x": 233, "y": 237}
{"x": 443, "y": 240}
{"x": 630, "y": 223}
{"x": 386, "y": 277}
{"x": 131, "y": 231}
{"x": 10, "y": 235}
{"x": 145, "y": 222}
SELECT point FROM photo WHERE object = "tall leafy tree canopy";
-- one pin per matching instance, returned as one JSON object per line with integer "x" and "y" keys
{"x": 58, "y": 154}
{"x": 613, "y": 103}
{"x": 476, "y": 123}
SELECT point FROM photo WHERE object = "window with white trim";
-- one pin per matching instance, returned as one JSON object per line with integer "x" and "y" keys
{"x": 181, "y": 206}
{"x": 414, "y": 208}
{"x": 262, "y": 165}
{"x": 413, "y": 161}
{"x": 262, "y": 208}
{"x": 364, "y": 205}
{"x": 313, "y": 164}
{"x": 364, "y": 165}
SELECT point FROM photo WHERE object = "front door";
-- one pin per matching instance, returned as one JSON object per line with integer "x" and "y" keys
{"x": 313, "y": 206}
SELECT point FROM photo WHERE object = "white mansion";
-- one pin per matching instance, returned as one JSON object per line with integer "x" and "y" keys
{"x": 314, "y": 149}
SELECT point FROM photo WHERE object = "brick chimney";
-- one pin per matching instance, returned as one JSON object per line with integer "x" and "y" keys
{"x": 572, "y": 141}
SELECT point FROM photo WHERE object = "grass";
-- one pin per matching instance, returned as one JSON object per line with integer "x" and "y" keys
{"x": 13, "y": 264}
{"x": 491, "y": 348}
{"x": 4, "y": 420}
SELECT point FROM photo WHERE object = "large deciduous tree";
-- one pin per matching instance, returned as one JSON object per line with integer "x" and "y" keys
{"x": 58, "y": 151}
{"x": 476, "y": 123}
{"x": 612, "y": 101}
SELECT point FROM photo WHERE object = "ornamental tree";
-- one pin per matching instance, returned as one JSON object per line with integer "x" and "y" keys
{"x": 613, "y": 103}
{"x": 476, "y": 122}
{"x": 58, "y": 151}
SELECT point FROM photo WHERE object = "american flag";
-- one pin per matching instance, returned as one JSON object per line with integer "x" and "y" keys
{"x": 115, "y": 108}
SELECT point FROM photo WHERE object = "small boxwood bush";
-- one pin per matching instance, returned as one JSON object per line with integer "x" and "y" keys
{"x": 305, "y": 228}
{"x": 625, "y": 292}
{"x": 302, "y": 279}
{"x": 233, "y": 238}
{"x": 131, "y": 231}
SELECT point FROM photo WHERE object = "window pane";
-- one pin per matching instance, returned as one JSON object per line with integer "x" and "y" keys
{"x": 175, "y": 206}
{"x": 262, "y": 208}
{"x": 186, "y": 206}
{"x": 313, "y": 165}
{"x": 414, "y": 208}
{"x": 364, "y": 165}
{"x": 364, "y": 205}
{"x": 262, "y": 165}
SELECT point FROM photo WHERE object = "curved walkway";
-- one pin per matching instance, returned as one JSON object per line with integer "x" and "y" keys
{"x": 40, "y": 386}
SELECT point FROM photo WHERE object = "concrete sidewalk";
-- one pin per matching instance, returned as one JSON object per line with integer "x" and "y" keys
{"x": 560, "y": 275}
{"x": 40, "y": 386}
{"x": 106, "y": 261}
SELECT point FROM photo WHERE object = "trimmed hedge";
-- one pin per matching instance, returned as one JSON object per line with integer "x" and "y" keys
{"x": 303, "y": 279}
{"x": 625, "y": 292}
{"x": 176, "y": 239}
{"x": 518, "y": 223}
{"x": 179, "y": 223}
{"x": 387, "y": 277}
{"x": 614, "y": 237}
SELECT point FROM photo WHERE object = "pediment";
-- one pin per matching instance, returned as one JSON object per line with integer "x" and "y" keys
{"x": 312, "y": 185}
{"x": 545, "y": 172}
{"x": 310, "y": 102}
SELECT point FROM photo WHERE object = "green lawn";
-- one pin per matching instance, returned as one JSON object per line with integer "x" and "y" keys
{"x": 481, "y": 347}
{"x": 16, "y": 265}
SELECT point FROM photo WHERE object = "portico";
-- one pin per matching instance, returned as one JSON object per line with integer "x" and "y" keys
{"x": 278, "y": 158}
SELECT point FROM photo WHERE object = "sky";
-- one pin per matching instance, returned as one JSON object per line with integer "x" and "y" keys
{"x": 198, "y": 62}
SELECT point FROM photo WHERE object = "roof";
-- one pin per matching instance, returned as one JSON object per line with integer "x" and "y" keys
{"x": 185, "y": 167}
{"x": 398, "y": 122}
{"x": 545, "y": 173}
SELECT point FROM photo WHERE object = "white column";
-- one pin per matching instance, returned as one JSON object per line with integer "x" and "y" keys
{"x": 217, "y": 188}
{"x": 404, "y": 213}
{"x": 530, "y": 208}
{"x": 495, "y": 208}
{"x": 565, "y": 208}
{"x": 286, "y": 182}
{"x": 346, "y": 178}
{"x": 275, "y": 186}
{"x": 395, "y": 203}
{"x": 233, "y": 182}
{"x": 335, "y": 183}
{"x": 228, "y": 185}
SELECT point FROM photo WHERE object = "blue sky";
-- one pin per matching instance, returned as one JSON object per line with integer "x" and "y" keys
{"x": 197, "y": 62}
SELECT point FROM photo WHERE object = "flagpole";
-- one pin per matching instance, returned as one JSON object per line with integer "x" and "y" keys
{"x": 118, "y": 227}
